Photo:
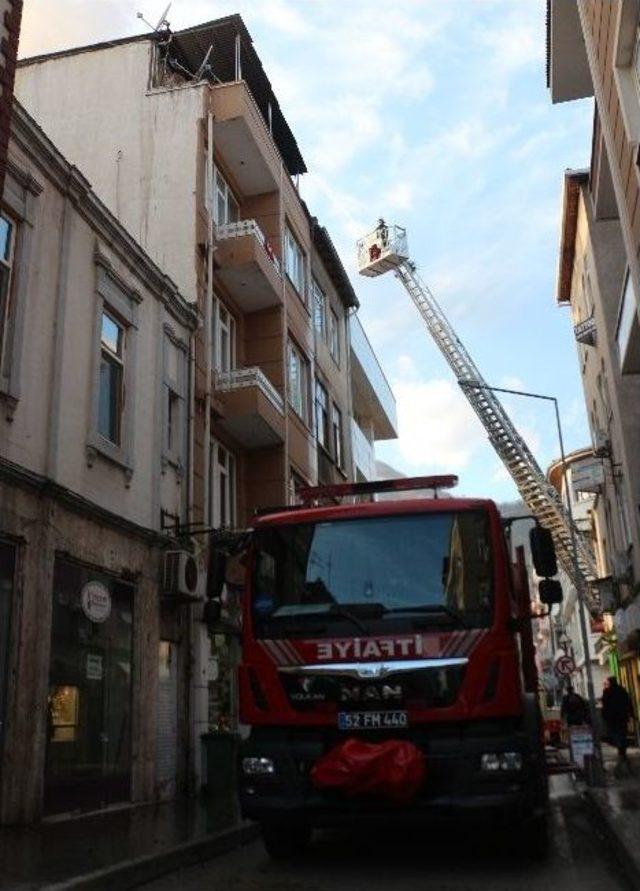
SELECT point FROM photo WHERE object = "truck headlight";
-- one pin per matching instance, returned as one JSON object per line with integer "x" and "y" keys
{"x": 491, "y": 762}
{"x": 258, "y": 766}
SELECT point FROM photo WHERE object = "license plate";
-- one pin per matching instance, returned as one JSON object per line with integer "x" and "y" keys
{"x": 371, "y": 720}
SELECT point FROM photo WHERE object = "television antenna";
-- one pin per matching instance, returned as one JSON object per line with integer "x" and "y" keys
{"x": 163, "y": 22}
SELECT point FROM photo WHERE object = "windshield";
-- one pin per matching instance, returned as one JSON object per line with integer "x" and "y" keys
{"x": 434, "y": 568}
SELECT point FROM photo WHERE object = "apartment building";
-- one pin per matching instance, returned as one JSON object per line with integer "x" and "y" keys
{"x": 95, "y": 350}
{"x": 10, "y": 18}
{"x": 576, "y": 483}
{"x": 190, "y": 150}
{"x": 593, "y": 49}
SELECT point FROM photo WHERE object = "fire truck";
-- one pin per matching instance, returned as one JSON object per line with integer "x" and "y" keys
{"x": 391, "y": 625}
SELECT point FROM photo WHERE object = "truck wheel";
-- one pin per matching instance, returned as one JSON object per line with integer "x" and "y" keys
{"x": 284, "y": 839}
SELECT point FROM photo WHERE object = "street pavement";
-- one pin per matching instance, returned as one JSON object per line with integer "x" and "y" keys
{"x": 443, "y": 860}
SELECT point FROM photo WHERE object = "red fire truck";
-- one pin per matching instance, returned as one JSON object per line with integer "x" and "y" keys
{"x": 389, "y": 620}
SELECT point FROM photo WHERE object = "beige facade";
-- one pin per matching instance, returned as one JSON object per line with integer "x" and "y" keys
{"x": 594, "y": 50}
{"x": 96, "y": 343}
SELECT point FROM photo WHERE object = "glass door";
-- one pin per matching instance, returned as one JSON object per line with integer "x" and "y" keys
{"x": 88, "y": 759}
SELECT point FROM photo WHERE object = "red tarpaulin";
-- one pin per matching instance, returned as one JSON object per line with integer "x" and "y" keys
{"x": 393, "y": 769}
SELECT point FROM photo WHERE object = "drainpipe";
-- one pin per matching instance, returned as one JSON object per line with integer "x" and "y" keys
{"x": 208, "y": 309}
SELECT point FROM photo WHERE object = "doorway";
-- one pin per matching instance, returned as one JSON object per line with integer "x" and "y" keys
{"x": 88, "y": 756}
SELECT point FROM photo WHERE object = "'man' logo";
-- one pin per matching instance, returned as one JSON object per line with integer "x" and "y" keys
{"x": 370, "y": 693}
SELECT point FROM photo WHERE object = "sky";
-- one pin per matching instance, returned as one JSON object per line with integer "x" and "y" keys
{"x": 435, "y": 115}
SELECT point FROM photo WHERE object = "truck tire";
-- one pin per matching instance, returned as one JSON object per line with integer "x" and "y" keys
{"x": 284, "y": 838}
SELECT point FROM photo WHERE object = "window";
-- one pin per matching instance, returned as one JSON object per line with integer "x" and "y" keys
{"x": 294, "y": 263}
{"x": 111, "y": 396}
{"x": 336, "y": 426}
{"x": 222, "y": 483}
{"x": 223, "y": 338}
{"x": 319, "y": 310}
{"x": 175, "y": 390}
{"x": 334, "y": 336}
{"x": 298, "y": 375}
{"x": 225, "y": 207}
{"x": 7, "y": 244}
{"x": 322, "y": 416}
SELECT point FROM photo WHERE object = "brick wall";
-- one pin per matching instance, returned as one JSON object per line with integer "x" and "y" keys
{"x": 10, "y": 16}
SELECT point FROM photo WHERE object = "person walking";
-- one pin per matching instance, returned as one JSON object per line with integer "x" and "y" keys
{"x": 573, "y": 709}
{"x": 616, "y": 712}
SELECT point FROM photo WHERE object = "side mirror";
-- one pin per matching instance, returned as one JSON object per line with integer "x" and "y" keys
{"x": 216, "y": 575}
{"x": 211, "y": 614}
{"x": 543, "y": 552}
{"x": 550, "y": 592}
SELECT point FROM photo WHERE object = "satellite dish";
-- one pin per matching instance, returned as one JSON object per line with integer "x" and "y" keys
{"x": 162, "y": 21}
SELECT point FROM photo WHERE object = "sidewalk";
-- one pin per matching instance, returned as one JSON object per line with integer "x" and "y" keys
{"x": 617, "y": 808}
{"x": 119, "y": 848}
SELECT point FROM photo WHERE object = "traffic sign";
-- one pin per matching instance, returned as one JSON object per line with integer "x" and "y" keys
{"x": 565, "y": 665}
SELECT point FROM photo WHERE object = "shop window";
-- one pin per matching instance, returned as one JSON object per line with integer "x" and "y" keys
{"x": 298, "y": 378}
{"x": 322, "y": 416}
{"x": 64, "y": 711}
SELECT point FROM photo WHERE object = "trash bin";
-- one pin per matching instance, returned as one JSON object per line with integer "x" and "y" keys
{"x": 220, "y": 756}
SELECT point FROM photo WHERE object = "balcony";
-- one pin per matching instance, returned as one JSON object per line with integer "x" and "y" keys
{"x": 372, "y": 396}
{"x": 568, "y": 75}
{"x": 243, "y": 140}
{"x": 628, "y": 332}
{"x": 253, "y": 410}
{"x": 248, "y": 268}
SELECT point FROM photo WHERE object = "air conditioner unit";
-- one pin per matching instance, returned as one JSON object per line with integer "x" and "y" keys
{"x": 601, "y": 444}
{"x": 182, "y": 576}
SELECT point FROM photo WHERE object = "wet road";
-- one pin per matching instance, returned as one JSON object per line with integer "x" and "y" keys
{"x": 461, "y": 859}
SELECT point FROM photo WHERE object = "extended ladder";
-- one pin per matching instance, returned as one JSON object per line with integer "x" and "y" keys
{"x": 380, "y": 252}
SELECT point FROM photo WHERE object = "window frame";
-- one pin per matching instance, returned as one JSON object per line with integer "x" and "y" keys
{"x": 334, "y": 335}
{"x": 6, "y": 300}
{"x": 174, "y": 391}
{"x": 115, "y": 297}
{"x": 291, "y": 243}
{"x": 321, "y": 409}
{"x": 222, "y": 473}
{"x": 337, "y": 435}
{"x": 115, "y": 359}
{"x": 220, "y": 187}
{"x": 301, "y": 409}
{"x": 217, "y": 328}
{"x": 319, "y": 310}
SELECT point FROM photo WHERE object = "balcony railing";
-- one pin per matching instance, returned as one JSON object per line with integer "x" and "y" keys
{"x": 248, "y": 227}
{"x": 363, "y": 452}
{"x": 242, "y": 378}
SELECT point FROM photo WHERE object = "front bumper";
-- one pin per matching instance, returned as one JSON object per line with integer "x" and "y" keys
{"x": 454, "y": 784}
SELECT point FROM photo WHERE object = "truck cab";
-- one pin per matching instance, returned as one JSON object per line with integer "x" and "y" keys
{"x": 398, "y": 619}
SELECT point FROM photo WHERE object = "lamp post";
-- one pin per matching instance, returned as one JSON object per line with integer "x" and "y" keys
{"x": 472, "y": 385}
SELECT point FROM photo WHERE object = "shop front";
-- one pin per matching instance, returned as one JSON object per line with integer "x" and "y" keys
{"x": 89, "y": 706}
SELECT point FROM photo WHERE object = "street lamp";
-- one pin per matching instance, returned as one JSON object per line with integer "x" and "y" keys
{"x": 472, "y": 385}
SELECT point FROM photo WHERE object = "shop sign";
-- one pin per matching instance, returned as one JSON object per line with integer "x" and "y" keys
{"x": 585, "y": 331}
{"x": 94, "y": 667}
{"x": 588, "y": 477}
{"x": 95, "y": 600}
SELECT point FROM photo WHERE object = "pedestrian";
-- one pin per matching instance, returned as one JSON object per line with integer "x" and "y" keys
{"x": 616, "y": 712}
{"x": 574, "y": 711}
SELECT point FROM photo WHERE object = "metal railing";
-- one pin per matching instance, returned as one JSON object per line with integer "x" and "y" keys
{"x": 248, "y": 227}
{"x": 241, "y": 378}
